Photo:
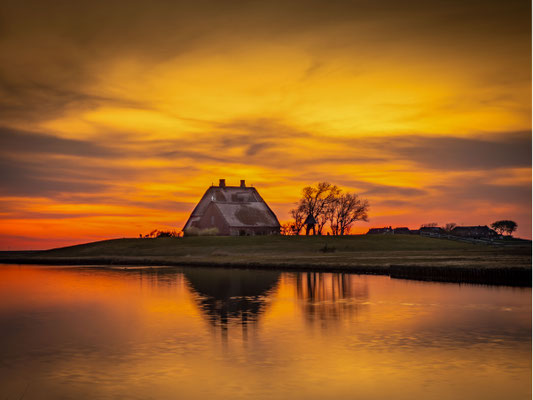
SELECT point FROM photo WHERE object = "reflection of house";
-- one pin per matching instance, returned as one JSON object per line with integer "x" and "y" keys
{"x": 475, "y": 232}
{"x": 231, "y": 295}
{"x": 233, "y": 210}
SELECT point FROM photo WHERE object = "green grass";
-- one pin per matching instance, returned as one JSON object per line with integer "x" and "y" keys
{"x": 371, "y": 250}
{"x": 206, "y": 245}
{"x": 403, "y": 255}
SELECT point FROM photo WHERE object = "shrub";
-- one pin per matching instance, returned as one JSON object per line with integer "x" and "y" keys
{"x": 191, "y": 231}
{"x": 327, "y": 249}
{"x": 209, "y": 232}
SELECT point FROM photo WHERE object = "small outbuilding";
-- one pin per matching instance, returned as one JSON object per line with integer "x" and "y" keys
{"x": 233, "y": 211}
{"x": 380, "y": 231}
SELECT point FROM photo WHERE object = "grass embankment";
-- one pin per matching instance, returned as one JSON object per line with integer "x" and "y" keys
{"x": 400, "y": 256}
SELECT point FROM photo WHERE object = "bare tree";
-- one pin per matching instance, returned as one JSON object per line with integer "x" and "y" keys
{"x": 299, "y": 216}
{"x": 315, "y": 200}
{"x": 321, "y": 222}
{"x": 449, "y": 226}
{"x": 429, "y": 225}
{"x": 331, "y": 215}
{"x": 345, "y": 210}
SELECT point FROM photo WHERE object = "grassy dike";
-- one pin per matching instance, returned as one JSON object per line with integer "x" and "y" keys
{"x": 399, "y": 256}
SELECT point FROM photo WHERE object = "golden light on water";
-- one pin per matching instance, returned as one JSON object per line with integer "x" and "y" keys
{"x": 158, "y": 332}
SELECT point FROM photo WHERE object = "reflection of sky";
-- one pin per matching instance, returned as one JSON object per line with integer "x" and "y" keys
{"x": 117, "y": 115}
{"x": 141, "y": 333}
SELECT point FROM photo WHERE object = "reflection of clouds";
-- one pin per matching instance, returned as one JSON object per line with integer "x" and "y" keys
{"x": 330, "y": 297}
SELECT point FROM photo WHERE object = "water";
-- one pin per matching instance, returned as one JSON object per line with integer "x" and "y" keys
{"x": 194, "y": 333}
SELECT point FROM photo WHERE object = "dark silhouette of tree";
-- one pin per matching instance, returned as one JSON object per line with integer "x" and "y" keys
{"x": 345, "y": 210}
{"x": 504, "y": 226}
{"x": 299, "y": 218}
{"x": 325, "y": 203}
{"x": 315, "y": 199}
{"x": 314, "y": 202}
{"x": 321, "y": 222}
{"x": 429, "y": 225}
{"x": 449, "y": 227}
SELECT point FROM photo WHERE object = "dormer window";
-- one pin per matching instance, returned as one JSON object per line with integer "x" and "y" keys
{"x": 219, "y": 196}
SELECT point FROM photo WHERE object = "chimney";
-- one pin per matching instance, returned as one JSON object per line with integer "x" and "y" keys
{"x": 222, "y": 182}
{"x": 243, "y": 183}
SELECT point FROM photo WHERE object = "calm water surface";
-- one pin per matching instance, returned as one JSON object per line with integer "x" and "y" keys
{"x": 143, "y": 333}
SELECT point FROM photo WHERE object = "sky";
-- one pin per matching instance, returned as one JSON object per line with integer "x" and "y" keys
{"x": 116, "y": 116}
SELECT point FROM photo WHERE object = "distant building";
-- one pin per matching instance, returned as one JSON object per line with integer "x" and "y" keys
{"x": 431, "y": 230}
{"x": 476, "y": 232}
{"x": 233, "y": 211}
{"x": 379, "y": 231}
{"x": 401, "y": 231}
{"x": 394, "y": 231}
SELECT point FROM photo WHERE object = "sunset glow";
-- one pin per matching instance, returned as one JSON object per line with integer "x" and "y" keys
{"x": 116, "y": 117}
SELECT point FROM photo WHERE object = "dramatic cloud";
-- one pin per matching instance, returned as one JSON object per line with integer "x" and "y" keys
{"x": 29, "y": 179}
{"x": 509, "y": 150}
{"x": 13, "y": 141}
{"x": 117, "y": 115}
{"x": 480, "y": 193}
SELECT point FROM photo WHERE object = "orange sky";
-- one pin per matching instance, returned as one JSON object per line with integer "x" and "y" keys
{"x": 116, "y": 117}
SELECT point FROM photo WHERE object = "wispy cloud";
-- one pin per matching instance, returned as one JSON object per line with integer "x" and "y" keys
{"x": 506, "y": 150}
{"x": 119, "y": 114}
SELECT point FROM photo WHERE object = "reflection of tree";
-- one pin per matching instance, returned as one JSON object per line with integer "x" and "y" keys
{"x": 231, "y": 295}
{"x": 330, "y": 296}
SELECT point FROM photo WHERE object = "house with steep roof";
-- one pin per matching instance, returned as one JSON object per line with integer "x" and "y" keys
{"x": 233, "y": 211}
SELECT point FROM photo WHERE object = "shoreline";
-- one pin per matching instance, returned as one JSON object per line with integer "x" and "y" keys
{"x": 499, "y": 276}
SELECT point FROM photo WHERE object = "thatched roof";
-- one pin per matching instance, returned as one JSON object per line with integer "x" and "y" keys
{"x": 247, "y": 214}
{"x": 240, "y": 206}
